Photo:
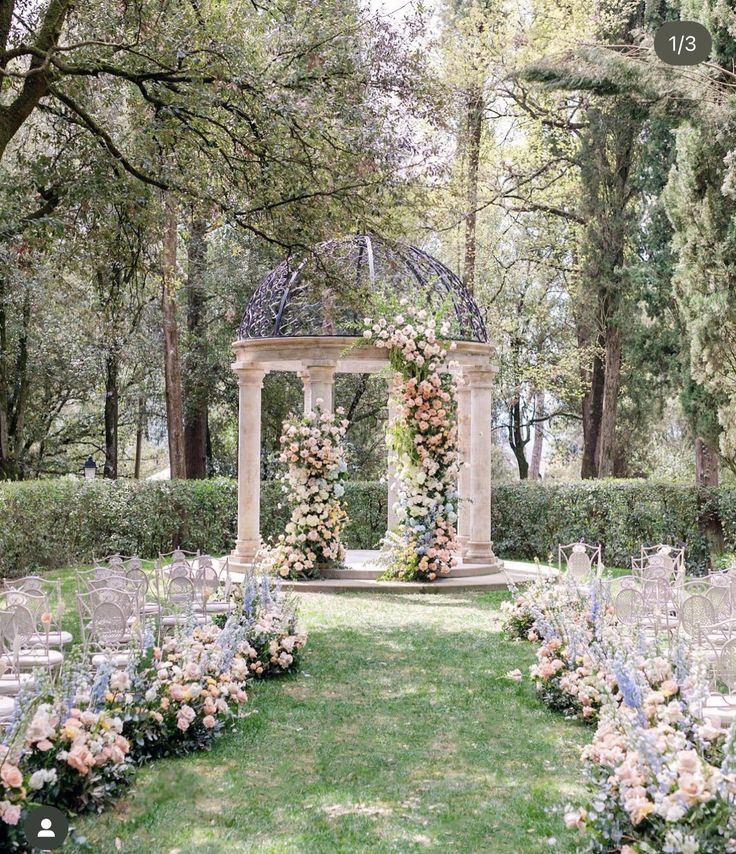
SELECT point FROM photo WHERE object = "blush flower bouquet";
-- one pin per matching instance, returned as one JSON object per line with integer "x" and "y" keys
{"x": 313, "y": 453}
{"x": 423, "y": 438}
{"x": 269, "y": 618}
{"x": 662, "y": 779}
{"x": 59, "y": 750}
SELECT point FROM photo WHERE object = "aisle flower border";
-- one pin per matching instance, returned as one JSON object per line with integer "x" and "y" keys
{"x": 423, "y": 438}
{"x": 74, "y": 741}
{"x": 662, "y": 779}
{"x": 313, "y": 453}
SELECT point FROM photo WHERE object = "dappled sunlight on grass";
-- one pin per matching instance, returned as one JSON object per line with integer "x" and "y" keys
{"x": 400, "y": 734}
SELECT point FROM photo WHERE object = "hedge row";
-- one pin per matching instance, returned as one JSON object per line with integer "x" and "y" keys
{"x": 58, "y": 522}
{"x": 530, "y": 519}
{"x": 52, "y": 523}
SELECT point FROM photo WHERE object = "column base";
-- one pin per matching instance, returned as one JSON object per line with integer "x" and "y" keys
{"x": 480, "y": 553}
{"x": 243, "y": 556}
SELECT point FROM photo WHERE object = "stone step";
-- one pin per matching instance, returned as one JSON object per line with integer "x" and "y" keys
{"x": 372, "y": 573}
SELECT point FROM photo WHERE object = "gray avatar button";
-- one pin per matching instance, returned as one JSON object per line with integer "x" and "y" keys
{"x": 46, "y": 828}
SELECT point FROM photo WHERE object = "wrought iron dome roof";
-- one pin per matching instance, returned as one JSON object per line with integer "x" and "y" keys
{"x": 329, "y": 291}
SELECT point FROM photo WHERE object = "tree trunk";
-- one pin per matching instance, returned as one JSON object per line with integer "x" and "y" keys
{"x": 475, "y": 132}
{"x": 706, "y": 464}
{"x": 196, "y": 379}
{"x": 518, "y": 440}
{"x": 18, "y": 419}
{"x": 172, "y": 365}
{"x": 611, "y": 384}
{"x": 4, "y": 386}
{"x": 140, "y": 427}
{"x": 111, "y": 416}
{"x": 535, "y": 468}
{"x": 592, "y": 408}
{"x": 706, "y": 475}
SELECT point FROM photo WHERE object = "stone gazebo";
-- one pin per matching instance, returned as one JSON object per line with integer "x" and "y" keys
{"x": 306, "y": 317}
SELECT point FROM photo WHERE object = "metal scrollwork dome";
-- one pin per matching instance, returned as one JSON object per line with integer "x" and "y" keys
{"x": 329, "y": 291}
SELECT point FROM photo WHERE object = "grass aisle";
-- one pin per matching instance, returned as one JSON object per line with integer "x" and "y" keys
{"x": 400, "y": 734}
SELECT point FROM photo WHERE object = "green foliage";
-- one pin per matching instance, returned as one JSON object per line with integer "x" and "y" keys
{"x": 52, "y": 523}
{"x": 529, "y": 520}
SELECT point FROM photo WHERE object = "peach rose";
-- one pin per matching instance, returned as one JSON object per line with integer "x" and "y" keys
{"x": 11, "y": 776}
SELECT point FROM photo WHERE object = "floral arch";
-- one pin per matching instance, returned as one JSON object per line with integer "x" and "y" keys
{"x": 307, "y": 317}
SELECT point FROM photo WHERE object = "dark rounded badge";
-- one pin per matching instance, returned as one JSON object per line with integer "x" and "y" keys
{"x": 682, "y": 43}
{"x": 46, "y": 828}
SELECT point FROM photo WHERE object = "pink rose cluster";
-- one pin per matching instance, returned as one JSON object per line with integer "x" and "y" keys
{"x": 424, "y": 440}
{"x": 313, "y": 452}
{"x": 273, "y": 644}
{"x": 76, "y": 758}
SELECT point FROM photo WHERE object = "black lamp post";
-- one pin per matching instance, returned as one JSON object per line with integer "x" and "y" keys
{"x": 90, "y": 469}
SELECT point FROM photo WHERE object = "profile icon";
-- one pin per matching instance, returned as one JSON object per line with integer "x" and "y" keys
{"x": 46, "y": 832}
{"x": 46, "y": 828}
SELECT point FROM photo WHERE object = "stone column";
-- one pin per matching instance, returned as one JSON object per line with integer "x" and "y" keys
{"x": 480, "y": 547}
{"x": 393, "y": 491}
{"x": 319, "y": 384}
{"x": 304, "y": 377}
{"x": 250, "y": 381}
{"x": 463, "y": 482}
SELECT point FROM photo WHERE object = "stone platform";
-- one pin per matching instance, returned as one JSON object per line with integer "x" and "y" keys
{"x": 363, "y": 573}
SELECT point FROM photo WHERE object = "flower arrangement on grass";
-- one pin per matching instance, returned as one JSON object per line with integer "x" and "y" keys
{"x": 74, "y": 741}
{"x": 423, "y": 438}
{"x": 270, "y": 620}
{"x": 179, "y": 697}
{"x": 661, "y": 778}
{"x": 312, "y": 451}
{"x": 59, "y": 750}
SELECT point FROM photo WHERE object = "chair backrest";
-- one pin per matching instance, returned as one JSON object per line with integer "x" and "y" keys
{"x": 722, "y": 602}
{"x": 725, "y": 667}
{"x": 126, "y": 600}
{"x": 30, "y": 583}
{"x": 25, "y": 623}
{"x": 180, "y": 594}
{"x": 108, "y": 625}
{"x": 668, "y": 558}
{"x": 206, "y": 582}
{"x": 696, "y": 612}
{"x": 580, "y": 559}
{"x": 139, "y": 578}
{"x": 181, "y": 570}
{"x": 37, "y": 603}
{"x": 657, "y": 594}
{"x": 629, "y": 606}
{"x": 10, "y": 643}
{"x": 177, "y": 556}
{"x": 7, "y": 631}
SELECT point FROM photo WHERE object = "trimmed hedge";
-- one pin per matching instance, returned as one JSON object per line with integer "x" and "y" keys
{"x": 530, "y": 519}
{"x": 51, "y": 523}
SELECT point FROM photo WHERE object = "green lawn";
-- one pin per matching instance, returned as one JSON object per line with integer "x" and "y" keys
{"x": 399, "y": 734}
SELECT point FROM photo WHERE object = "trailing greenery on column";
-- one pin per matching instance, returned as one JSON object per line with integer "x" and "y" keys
{"x": 423, "y": 437}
